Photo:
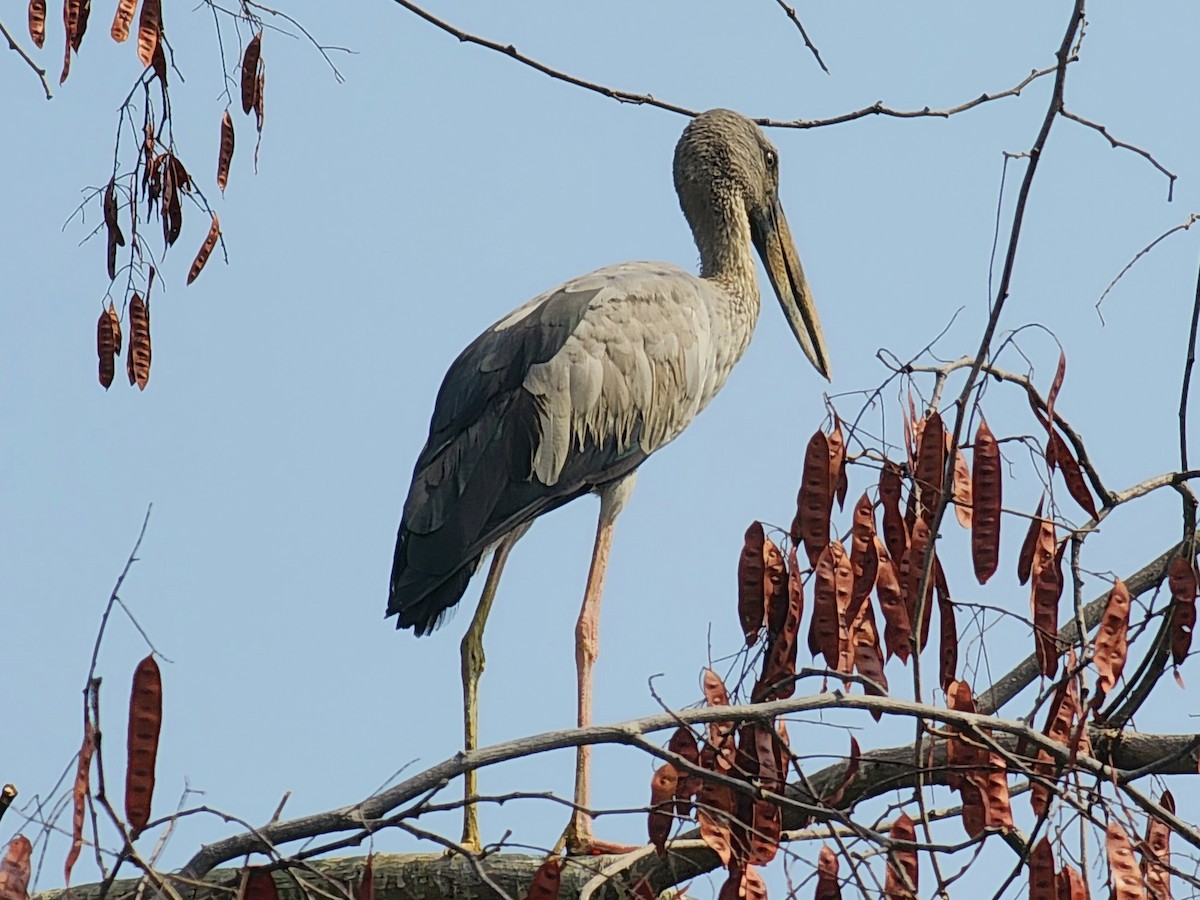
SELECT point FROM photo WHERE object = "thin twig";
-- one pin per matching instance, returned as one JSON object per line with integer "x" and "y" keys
{"x": 38, "y": 70}
{"x": 1145, "y": 154}
{"x": 791, "y": 14}
{"x": 875, "y": 109}
{"x": 1184, "y": 226}
{"x": 1189, "y": 503}
{"x": 112, "y": 601}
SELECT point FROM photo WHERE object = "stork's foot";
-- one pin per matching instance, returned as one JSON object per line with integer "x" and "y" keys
{"x": 471, "y": 848}
{"x": 578, "y": 840}
{"x": 470, "y": 842}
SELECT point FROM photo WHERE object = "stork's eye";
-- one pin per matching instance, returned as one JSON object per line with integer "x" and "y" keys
{"x": 772, "y": 160}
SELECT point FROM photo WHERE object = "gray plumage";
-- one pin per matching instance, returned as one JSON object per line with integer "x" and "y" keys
{"x": 573, "y": 390}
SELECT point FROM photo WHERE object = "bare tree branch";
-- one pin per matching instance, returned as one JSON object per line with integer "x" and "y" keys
{"x": 38, "y": 70}
{"x": 791, "y": 14}
{"x": 1183, "y": 226}
{"x": 1145, "y": 154}
{"x": 875, "y": 109}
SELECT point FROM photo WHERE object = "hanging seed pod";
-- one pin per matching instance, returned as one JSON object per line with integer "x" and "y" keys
{"x": 986, "y": 494}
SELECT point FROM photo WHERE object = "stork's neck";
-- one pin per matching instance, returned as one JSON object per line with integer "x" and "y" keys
{"x": 722, "y": 233}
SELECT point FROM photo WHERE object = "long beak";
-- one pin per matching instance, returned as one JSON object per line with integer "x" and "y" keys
{"x": 773, "y": 240}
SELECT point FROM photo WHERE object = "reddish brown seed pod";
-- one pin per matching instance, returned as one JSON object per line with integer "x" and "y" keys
{"x": 106, "y": 348}
{"x": 864, "y": 557}
{"x": 149, "y": 26}
{"x": 258, "y": 884}
{"x": 683, "y": 742}
{"x": 116, "y": 327}
{"x": 37, "y": 22}
{"x": 366, "y": 883}
{"x": 961, "y": 757}
{"x": 145, "y": 723}
{"x": 1071, "y": 885}
{"x": 751, "y": 569}
{"x": 206, "y": 249}
{"x": 662, "y": 798}
{"x": 895, "y": 532}
{"x": 1043, "y": 883}
{"x": 743, "y": 883}
{"x": 837, "y": 464}
{"x": 901, "y": 883}
{"x": 81, "y": 24}
{"x": 897, "y": 632}
{"x": 931, "y": 464}
{"x": 774, "y": 589}
{"x": 963, "y": 489}
{"x": 1124, "y": 873}
{"x": 715, "y": 694}
{"x": 1112, "y": 641}
{"x": 259, "y": 108}
{"x": 948, "y": 641}
{"x": 1045, "y": 593}
{"x": 1060, "y": 373}
{"x": 714, "y": 803}
{"x": 79, "y": 796}
{"x": 828, "y": 634}
{"x": 1181, "y": 578}
{"x": 122, "y": 20}
{"x": 986, "y": 496}
{"x": 777, "y": 681}
{"x": 138, "y": 356}
{"x": 813, "y": 505}
{"x": 920, "y": 610}
{"x": 766, "y": 827}
{"x": 250, "y": 60}
{"x": 1072, "y": 474}
{"x": 828, "y": 885}
{"x": 1025, "y": 559}
{"x": 158, "y": 63}
{"x": 225, "y": 153}
{"x": 992, "y": 782}
{"x": 1156, "y": 852}
{"x": 546, "y": 880}
{"x": 868, "y": 658}
{"x": 843, "y": 591}
{"x": 66, "y": 68}
{"x": 71, "y": 11}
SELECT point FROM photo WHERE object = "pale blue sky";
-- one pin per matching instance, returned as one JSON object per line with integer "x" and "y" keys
{"x": 395, "y": 216}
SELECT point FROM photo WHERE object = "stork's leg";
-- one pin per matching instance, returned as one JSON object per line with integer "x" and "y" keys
{"x": 613, "y": 497}
{"x": 473, "y": 661}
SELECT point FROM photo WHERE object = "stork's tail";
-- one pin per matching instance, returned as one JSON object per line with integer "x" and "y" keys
{"x": 421, "y": 601}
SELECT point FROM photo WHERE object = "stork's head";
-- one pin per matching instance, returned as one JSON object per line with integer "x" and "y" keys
{"x": 725, "y": 166}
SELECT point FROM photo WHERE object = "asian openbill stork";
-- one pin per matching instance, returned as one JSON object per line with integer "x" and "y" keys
{"x": 568, "y": 395}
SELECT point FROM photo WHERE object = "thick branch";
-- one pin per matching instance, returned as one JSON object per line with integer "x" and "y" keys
{"x": 421, "y": 876}
{"x": 372, "y": 810}
{"x": 407, "y": 876}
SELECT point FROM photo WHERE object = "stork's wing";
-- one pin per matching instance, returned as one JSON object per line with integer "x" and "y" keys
{"x": 566, "y": 393}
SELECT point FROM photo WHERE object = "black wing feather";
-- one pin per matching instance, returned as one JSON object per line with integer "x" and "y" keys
{"x": 473, "y": 481}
